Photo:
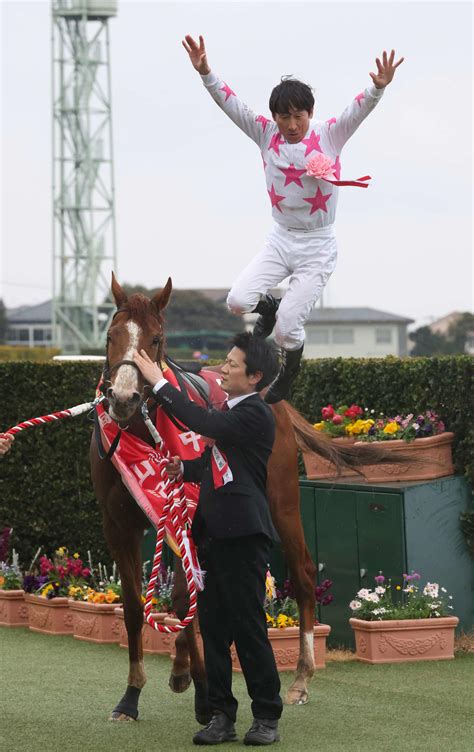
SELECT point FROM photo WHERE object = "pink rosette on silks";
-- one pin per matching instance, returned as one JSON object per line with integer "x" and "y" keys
{"x": 321, "y": 167}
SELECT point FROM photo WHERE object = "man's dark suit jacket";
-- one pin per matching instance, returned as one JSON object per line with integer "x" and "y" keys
{"x": 245, "y": 434}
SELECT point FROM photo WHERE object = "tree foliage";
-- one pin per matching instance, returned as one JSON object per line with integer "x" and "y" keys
{"x": 454, "y": 342}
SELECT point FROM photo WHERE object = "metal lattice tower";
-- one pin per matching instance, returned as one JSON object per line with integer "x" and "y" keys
{"x": 84, "y": 246}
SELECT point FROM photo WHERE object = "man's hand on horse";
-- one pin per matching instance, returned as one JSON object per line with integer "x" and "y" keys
{"x": 385, "y": 70}
{"x": 197, "y": 54}
{"x": 6, "y": 440}
{"x": 150, "y": 370}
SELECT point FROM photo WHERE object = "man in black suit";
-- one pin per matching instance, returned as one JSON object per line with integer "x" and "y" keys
{"x": 233, "y": 531}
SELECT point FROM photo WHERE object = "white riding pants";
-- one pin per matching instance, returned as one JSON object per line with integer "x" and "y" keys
{"x": 309, "y": 256}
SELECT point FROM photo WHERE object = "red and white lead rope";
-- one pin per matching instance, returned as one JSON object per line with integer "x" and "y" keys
{"x": 70, "y": 413}
{"x": 176, "y": 508}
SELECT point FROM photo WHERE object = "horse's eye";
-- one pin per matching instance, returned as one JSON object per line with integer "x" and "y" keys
{"x": 157, "y": 340}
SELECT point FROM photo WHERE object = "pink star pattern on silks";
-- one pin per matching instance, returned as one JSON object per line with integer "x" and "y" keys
{"x": 359, "y": 98}
{"x": 263, "y": 121}
{"x": 337, "y": 168}
{"x": 330, "y": 122}
{"x": 227, "y": 90}
{"x": 275, "y": 198}
{"x": 312, "y": 143}
{"x": 318, "y": 201}
{"x": 292, "y": 175}
{"x": 275, "y": 143}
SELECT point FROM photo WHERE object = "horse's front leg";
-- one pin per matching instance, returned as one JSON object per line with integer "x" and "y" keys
{"x": 188, "y": 663}
{"x": 126, "y": 551}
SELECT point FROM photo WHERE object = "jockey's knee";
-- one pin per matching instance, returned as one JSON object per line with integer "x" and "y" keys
{"x": 239, "y": 302}
{"x": 288, "y": 336}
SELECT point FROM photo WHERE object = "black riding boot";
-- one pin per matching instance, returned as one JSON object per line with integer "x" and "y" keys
{"x": 267, "y": 308}
{"x": 280, "y": 387}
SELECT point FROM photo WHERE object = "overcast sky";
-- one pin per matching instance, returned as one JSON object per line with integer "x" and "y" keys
{"x": 191, "y": 197}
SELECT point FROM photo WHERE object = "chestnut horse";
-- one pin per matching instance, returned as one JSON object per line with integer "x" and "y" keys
{"x": 138, "y": 324}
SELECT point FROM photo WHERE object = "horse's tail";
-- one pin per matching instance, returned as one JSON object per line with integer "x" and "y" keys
{"x": 351, "y": 455}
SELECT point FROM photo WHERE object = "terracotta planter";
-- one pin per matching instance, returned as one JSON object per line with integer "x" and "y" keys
{"x": 286, "y": 647}
{"x": 154, "y": 642}
{"x": 404, "y": 640}
{"x": 49, "y": 615}
{"x": 317, "y": 468}
{"x": 13, "y": 609}
{"x": 94, "y": 622}
{"x": 433, "y": 460}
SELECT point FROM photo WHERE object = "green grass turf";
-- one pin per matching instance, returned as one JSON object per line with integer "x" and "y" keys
{"x": 56, "y": 694}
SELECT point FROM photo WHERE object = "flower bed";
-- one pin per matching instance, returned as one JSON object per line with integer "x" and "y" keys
{"x": 423, "y": 436}
{"x": 402, "y": 622}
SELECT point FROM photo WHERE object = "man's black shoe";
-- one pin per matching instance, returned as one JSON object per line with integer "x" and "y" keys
{"x": 263, "y": 731}
{"x": 267, "y": 307}
{"x": 220, "y": 729}
{"x": 280, "y": 388}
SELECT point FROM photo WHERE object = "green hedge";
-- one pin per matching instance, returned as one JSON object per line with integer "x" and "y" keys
{"x": 45, "y": 488}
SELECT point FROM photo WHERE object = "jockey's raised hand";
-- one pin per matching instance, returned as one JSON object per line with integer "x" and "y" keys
{"x": 385, "y": 69}
{"x": 6, "y": 440}
{"x": 197, "y": 54}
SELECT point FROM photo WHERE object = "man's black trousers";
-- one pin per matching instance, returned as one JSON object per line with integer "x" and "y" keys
{"x": 231, "y": 610}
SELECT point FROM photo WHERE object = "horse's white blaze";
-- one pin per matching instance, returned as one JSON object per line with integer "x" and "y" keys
{"x": 126, "y": 381}
{"x": 309, "y": 640}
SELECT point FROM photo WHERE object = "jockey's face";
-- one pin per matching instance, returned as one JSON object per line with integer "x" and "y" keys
{"x": 293, "y": 125}
{"x": 235, "y": 381}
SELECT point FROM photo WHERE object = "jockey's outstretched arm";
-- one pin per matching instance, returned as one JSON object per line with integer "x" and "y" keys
{"x": 252, "y": 125}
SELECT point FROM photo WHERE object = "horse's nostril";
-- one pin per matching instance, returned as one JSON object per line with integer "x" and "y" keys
{"x": 136, "y": 397}
{"x": 110, "y": 392}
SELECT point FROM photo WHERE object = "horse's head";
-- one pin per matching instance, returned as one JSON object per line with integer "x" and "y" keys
{"x": 137, "y": 325}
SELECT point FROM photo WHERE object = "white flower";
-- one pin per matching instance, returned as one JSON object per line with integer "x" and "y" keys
{"x": 437, "y": 613}
{"x": 363, "y": 593}
{"x": 431, "y": 589}
{"x": 450, "y": 597}
{"x": 354, "y": 605}
{"x": 444, "y": 590}
{"x": 416, "y": 426}
{"x": 372, "y": 597}
{"x": 380, "y": 610}
{"x": 380, "y": 590}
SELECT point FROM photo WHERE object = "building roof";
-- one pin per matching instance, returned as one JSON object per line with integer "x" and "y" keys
{"x": 36, "y": 314}
{"x": 354, "y": 316}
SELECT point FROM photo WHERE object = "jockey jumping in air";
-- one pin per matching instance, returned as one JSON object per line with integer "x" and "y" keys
{"x": 302, "y": 242}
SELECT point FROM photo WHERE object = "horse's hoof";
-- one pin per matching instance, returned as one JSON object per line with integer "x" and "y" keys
{"x": 179, "y": 682}
{"x": 116, "y": 716}
{"x": 296, "y": 696}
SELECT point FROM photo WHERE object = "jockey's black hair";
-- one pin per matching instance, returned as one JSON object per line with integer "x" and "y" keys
{"x": 291, "y": 93}
{"x": 260, "y": 355}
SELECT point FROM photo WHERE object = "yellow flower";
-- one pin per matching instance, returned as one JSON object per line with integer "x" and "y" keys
{"x": 98, "y": 598}
{"x": 398, "y": 587}
{"x": 270, "y": 585}
{"x": 319, "y": 426}
{"x": 2, "y": 581}
{"x": 391, "y": 427}
{"x": 111, "y": 597}
{"x": 76, "y": 555}
{"x": 270, "y": 620}
{"x": 46, "y": 590}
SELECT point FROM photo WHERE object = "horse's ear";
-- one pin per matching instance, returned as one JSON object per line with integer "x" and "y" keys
{"x": 120, "y": 296}
{"x": 161, "y": 299}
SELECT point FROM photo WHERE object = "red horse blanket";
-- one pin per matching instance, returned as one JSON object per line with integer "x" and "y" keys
{"x": 137, "y": 462}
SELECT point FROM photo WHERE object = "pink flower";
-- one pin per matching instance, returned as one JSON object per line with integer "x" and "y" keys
{"x": 353, "y": 411}
{"x": 320, "y": 167}
{"x": 337, "y": 420}
{"x": 327, "y": 412}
